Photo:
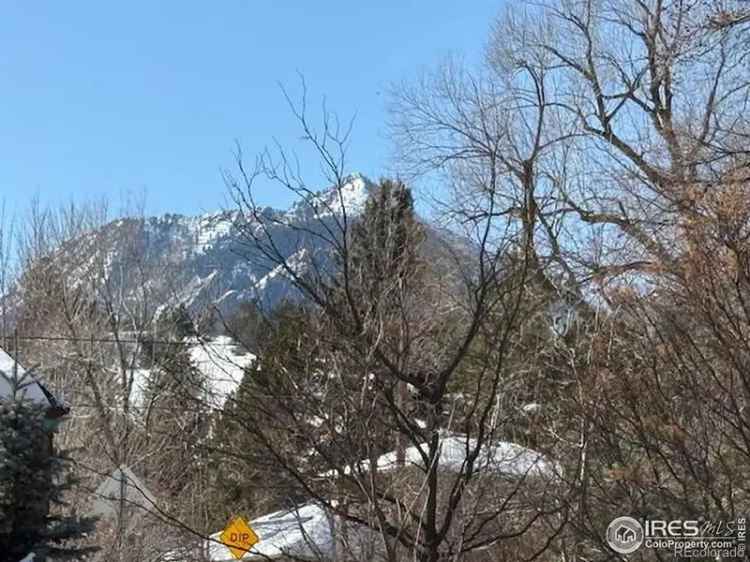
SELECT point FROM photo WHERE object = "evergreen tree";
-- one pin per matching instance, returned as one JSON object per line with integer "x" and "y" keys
{"x": 384, "y": 242}
{"x": 33, "y": 480}
{"x": 178, "y": 415}
{"x": 301, "y": 391}
{"x": 385, "y": 271}
{"x": 244, "y": 482}
{"x": 247, "y": 324}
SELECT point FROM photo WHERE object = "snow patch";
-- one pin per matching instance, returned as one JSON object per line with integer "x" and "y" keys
{"x": 223, "y": 364}
{"x": 221, "y": 361}
{"x": 313, "y": 532}
{"x": 296, "y": 262}
{"x": 210, "y": 229}
{"x": 531, "y": 408}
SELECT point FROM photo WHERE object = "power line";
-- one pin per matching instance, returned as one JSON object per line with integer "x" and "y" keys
{"x": 28, "y": 337}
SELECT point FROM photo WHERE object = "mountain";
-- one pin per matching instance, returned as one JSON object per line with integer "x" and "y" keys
{"x": 203, "y": 262}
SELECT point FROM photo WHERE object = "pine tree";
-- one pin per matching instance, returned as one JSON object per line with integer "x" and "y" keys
{"x": 178, "y": 414}
{"x": 385, "y": 268}
{"x": 384, "y": 241}
{"x": 244, "y": 482}
{"x": 33, "y": 481}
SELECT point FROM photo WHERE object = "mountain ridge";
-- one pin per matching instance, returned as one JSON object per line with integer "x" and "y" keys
{"x": 207, "y": 264}
{"x": 201, "y": 261}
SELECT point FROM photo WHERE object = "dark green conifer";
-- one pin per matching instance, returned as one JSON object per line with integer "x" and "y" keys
{"x": 33, "y": 481}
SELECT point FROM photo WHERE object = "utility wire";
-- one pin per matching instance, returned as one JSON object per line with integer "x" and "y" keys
{"x": 28, "y": 337}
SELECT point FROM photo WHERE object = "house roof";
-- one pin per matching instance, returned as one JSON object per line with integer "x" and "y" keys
{"x": 499, "y": 457}
{"x": 27, "y": 386}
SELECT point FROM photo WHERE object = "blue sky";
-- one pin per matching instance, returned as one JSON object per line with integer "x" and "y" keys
{"x": 111, "y": 98}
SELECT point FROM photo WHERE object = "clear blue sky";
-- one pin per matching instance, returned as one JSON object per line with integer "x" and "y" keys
{"x": 103, "y": 98}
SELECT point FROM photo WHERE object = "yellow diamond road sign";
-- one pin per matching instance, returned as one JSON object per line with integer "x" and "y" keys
{"x": 238, "y": 537}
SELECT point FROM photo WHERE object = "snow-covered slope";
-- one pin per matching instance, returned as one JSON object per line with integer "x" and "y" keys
{"x": 308, "y": 532}
{"x": 220, "y": 360}
{"x": 223, "y": 364}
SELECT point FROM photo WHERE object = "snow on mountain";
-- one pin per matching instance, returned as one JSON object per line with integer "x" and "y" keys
{"x": 349, "y": 199}
{"x": 296, "y": 263}
{"x": 208, "y": 263}
{"x": 205, "y": 261}
{"x": 211, "y": 228}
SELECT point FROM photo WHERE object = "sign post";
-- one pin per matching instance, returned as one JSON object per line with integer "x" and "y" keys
{"x": 239, "y": 537}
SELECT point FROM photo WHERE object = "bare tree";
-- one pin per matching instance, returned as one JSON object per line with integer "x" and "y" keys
{"x": 94, "y": 312}
{"x": 639, "y": 113}
{"x": 372, "y": 329}
{"x": 623, "y": 113}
